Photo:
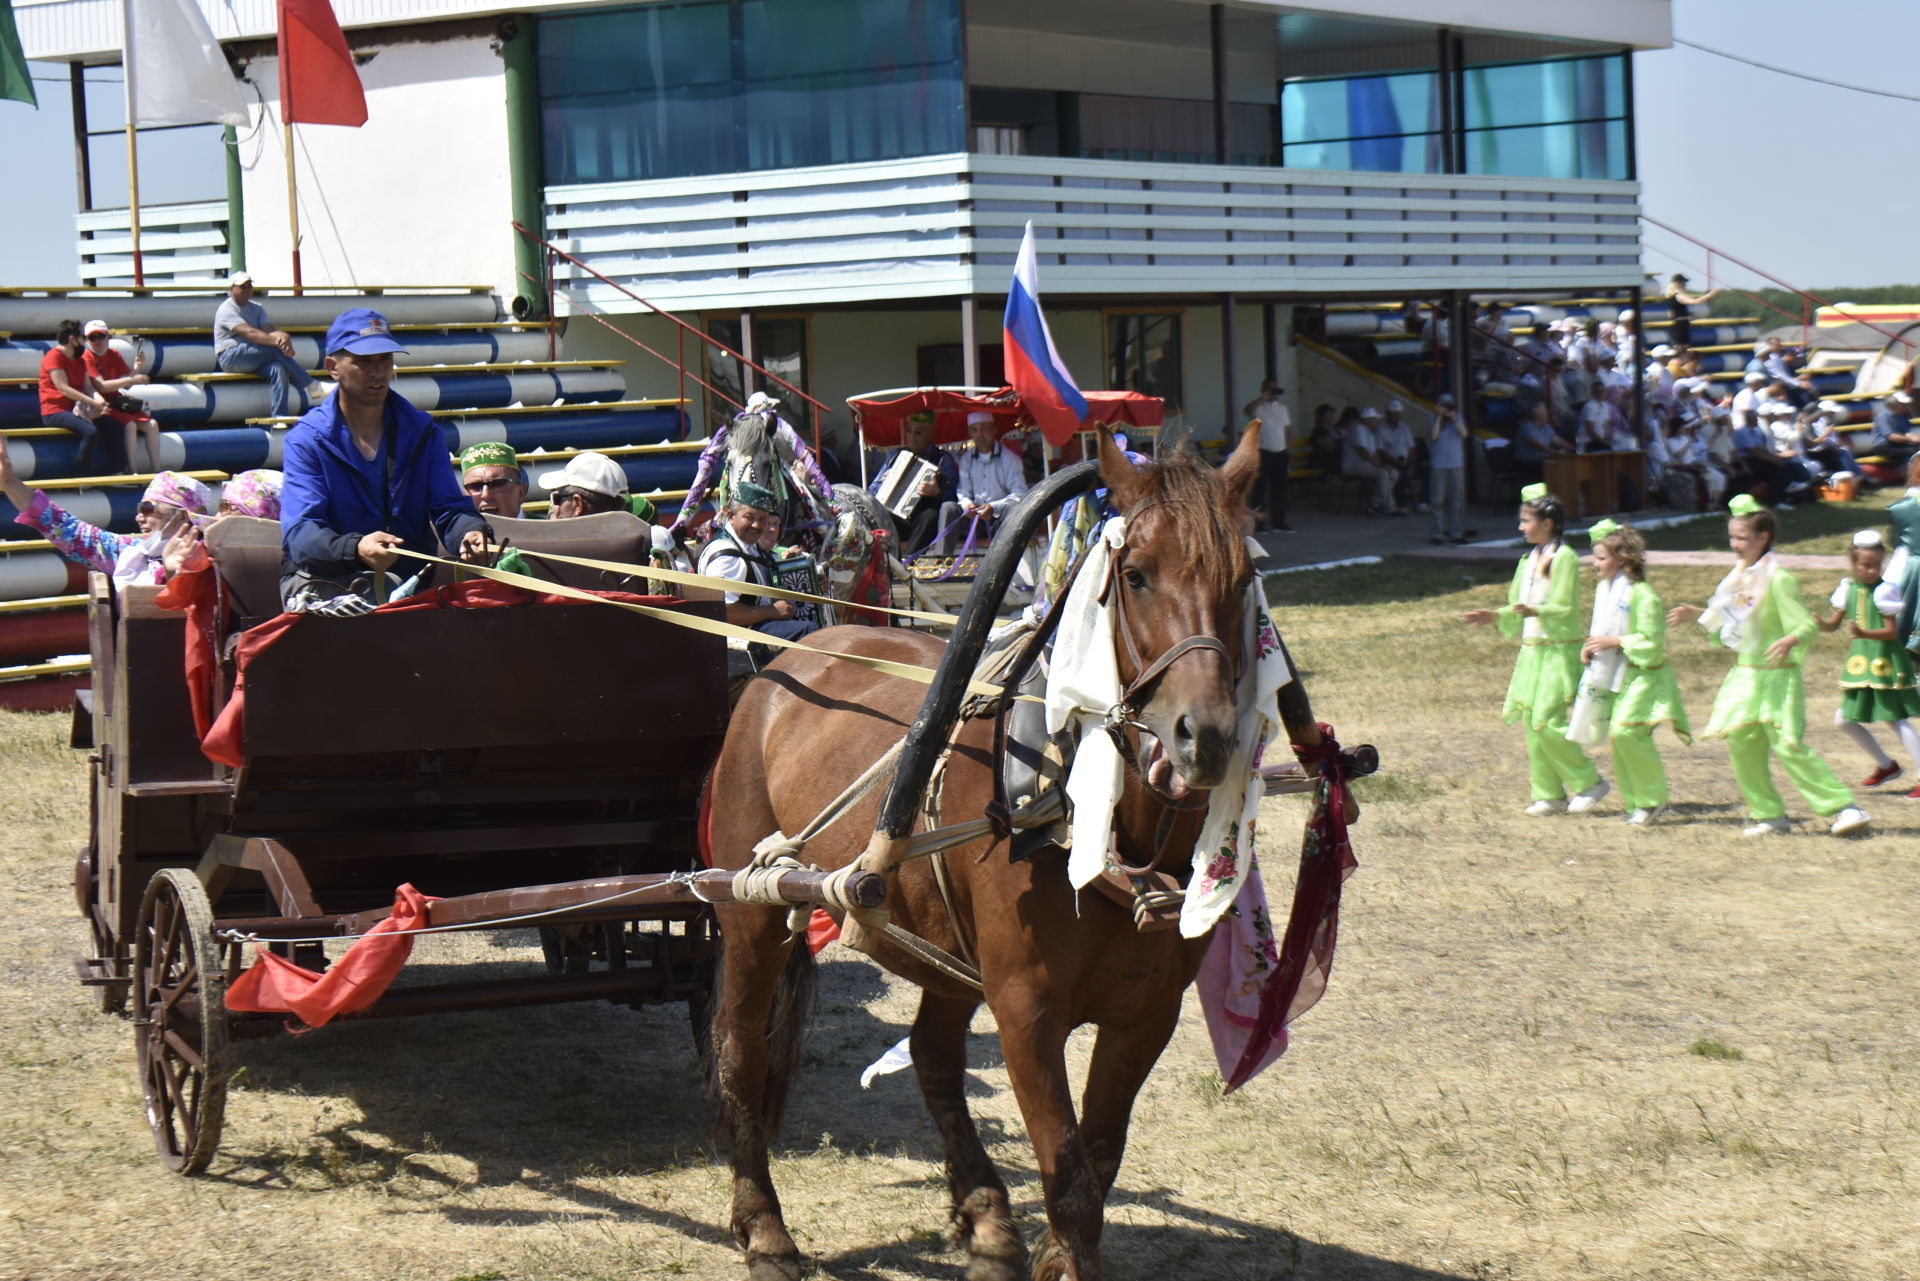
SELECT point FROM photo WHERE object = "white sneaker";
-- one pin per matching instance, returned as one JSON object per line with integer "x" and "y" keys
{"x": 1850, "y": 819}
{"x": 1584, "y": 801}
{"x": 1769, "y": 827}
{"x": 1646, "y": 817}
{"x": 1540, "y": 809}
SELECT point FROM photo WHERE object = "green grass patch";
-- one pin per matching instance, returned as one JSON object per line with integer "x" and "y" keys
{"x": 1712, "y": 1047}
{"x": 1821, "y": 529}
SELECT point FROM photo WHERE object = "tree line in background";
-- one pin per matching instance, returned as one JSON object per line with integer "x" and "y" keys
{"x": 1784, "y": 307}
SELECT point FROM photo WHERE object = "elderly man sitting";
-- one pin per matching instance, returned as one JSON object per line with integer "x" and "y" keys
{"x": 490, "y": 473}
{"x": 592, "y": 483}
{"x": 735, "y": 552}
{"x": 992, "y": 479}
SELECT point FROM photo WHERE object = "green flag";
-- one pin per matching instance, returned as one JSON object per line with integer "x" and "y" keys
{"x": 15, "y": 81}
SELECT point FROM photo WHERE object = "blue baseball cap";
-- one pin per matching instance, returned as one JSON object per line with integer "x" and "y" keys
{"x": 361, "y": 332}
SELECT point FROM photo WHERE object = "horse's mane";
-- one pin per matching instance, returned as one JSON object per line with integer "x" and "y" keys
{"x": 1195, "y": 500}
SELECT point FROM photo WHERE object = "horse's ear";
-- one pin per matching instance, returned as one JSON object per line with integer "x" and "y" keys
{"x": 1243, "y": 465}
{"x": 1117, "y": 470}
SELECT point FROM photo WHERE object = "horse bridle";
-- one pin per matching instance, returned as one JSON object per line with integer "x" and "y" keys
{"x": 1123, "y": 713}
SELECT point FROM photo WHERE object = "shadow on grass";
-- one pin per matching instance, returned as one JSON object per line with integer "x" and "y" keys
{"x": 1198, "y": 1243}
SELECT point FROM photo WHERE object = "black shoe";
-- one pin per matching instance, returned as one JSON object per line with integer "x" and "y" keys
{"x": 1436, "y": 540}
{"x": 1396, "y": 515}
{"x": 1458, "y": 542}
{"x": 1465, "y": 534}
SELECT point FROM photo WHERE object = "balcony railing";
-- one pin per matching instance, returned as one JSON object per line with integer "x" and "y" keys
{"x": 949, "y": 225}
{"x": 179, "y": 244}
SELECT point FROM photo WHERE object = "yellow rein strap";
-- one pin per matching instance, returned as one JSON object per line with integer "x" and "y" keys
{"x": 725, "y": 584}
{"x": 713, "y": 627}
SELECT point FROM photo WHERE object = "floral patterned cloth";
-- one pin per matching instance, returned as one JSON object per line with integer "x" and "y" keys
{"x": 72, "y": 537}
{"x": 255, "y": 493}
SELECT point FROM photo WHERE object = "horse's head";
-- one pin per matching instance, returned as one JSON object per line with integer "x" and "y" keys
{"x": 1178, "y": 588}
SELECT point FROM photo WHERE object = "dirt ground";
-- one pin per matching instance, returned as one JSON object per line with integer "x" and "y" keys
{"x": 1553, "y": 1048}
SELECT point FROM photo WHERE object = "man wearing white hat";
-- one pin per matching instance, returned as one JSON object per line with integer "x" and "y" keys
{"x": 245, "y": 342}
{"x": 992, "y": 480}
{"x": 589, "y": 484}
{"x": 1360, "y": 456}
{"x": 1397, "y": 451}
{"x": 1821, "y": 442}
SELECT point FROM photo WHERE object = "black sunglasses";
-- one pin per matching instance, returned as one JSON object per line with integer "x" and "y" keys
{"x": 482, "y": 486}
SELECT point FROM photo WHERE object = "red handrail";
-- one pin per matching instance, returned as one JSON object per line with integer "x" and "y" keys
{"x": 1805, "y": 295}
{"x": 819, "y": 407}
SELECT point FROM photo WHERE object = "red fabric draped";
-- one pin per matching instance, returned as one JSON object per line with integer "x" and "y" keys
{"x": 1313, "y": 925}
{"x": 196, "y": 589}
{"x": 275, "y": 985}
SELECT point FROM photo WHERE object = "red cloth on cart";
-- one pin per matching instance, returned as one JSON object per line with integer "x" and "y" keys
{"x": 225, "y": 741}
{"x": 275, "y": 985}
{"x": 196, "y": 589}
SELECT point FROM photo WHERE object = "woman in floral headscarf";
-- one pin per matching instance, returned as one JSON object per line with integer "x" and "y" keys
{"x": 166, "y": 507}
{"x": 252, "y": 493}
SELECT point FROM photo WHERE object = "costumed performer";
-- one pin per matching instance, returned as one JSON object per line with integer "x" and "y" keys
{"x": 1904, "y": 567}
{"x": 1759, "y": 615}
{"x": 1628, "y": 690}
{"x": 1542, "y": 609}
{"x": 1877, "y": 686}
{"x": 758, "y": 437}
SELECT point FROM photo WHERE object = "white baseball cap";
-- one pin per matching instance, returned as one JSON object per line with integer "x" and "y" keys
{"x": 239, "y": 278}
{"x": 590, "y": 471}
{"x": 1663, "y": 350}
{"x": 1369, "y": 412}
{"x": 1394, "y": 406}
{"x": 96, "y": 327}
{"x": 979, "y": 416}
{"x": 1755, "y": 377}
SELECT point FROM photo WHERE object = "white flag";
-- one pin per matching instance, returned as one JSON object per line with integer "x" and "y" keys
{"x": 176, "y": 74}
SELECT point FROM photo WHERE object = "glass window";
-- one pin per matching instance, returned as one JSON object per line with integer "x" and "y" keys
{"x": 1143, "y": 354}
{"x": 1564, "y": 118}
{"x": 722, "y": 86}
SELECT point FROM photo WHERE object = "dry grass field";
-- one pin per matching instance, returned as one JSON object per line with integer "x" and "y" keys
{"x": 1551, "y": 1049}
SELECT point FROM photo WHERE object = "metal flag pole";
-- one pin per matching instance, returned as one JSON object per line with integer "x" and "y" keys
{"x": 133, "y": 149}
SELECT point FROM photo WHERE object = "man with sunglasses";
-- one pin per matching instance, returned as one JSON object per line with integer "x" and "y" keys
{"x": 367, "y": 475}
{"x": 491, "y": 475}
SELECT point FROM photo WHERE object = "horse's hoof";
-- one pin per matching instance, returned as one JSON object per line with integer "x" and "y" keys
{"x": 982, "y": 1268}
{"x": 773, "y": 1267}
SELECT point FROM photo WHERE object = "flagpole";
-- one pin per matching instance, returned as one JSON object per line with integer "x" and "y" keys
{"x": 133, "y": 148}
{"x": 293, "y": 198}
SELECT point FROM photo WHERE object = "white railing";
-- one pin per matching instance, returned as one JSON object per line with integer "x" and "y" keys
{"x": 949, "y": 225}
{"x": 179, "y": 244}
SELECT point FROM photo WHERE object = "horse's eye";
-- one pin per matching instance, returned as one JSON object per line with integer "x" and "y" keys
{"x": 1136, "y": 580}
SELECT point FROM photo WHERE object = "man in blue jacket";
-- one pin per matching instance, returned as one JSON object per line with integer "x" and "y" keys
{"x": 366, "y": 473}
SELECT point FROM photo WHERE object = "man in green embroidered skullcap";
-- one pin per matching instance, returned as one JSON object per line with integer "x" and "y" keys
{"x": 735, "y": 553}
{"x": 491, "y": 475}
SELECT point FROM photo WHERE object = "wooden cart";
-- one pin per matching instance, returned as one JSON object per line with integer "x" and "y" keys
{"x": 532, "y": 761}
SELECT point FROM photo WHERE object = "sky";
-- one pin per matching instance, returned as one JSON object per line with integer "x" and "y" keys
{"x": 1803, "y": 181}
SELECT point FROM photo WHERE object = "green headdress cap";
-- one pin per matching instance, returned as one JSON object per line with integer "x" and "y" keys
{"x": 746, "y": 493}
{"x": 488, "y": 453}
{"x": 1743, "y": 505}
{"x": 1602, "y": 527}
{"x": 1533, "y": 493}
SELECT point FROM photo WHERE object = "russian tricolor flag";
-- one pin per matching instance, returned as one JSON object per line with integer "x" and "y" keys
{"x": 1034, "y": 368}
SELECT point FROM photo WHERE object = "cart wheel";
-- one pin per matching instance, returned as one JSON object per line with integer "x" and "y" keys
{"x": 180, "y": 1023}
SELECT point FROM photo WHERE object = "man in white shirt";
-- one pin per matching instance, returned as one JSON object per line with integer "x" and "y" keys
{"x": 1396, "y": 449}
{"x": 991, "y": 480}
{"x": 1276, "y": 460}
{"x": 1360, "y": 456}
{"x": 1746, "y": 401}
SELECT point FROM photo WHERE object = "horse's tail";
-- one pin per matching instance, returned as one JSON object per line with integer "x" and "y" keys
{"x": 787, "y": 1019}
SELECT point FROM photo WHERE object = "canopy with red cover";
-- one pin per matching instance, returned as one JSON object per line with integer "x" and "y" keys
{"x": 879, "y": 414}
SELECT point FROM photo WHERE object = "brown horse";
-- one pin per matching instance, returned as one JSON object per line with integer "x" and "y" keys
{"x": 1049, "y": 960}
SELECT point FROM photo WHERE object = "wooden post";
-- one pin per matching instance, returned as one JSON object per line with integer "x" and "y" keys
{"x": 133, "y": 147}
{"x": 293, "y": 197}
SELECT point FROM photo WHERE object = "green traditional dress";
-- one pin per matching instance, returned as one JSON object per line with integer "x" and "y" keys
{"x": 1649, "y": 697}
{"x": 1878, "y": 685}
{"x": 1762, "y": 706}
{"x": 1546, "y": 675}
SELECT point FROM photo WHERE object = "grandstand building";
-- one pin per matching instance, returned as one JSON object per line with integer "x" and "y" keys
{"x": 837, "y": 187}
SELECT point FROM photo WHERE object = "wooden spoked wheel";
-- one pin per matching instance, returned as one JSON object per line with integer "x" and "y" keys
{"x": 180, "y": 1020}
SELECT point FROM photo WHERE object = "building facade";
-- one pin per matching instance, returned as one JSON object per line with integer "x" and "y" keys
{"x": 837, "y": 187}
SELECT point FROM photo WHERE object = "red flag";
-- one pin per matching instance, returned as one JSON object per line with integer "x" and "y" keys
{"x": 318, "y": 83}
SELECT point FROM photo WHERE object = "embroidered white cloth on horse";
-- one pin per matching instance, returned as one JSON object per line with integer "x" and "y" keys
{"x": 1084, "y": 683}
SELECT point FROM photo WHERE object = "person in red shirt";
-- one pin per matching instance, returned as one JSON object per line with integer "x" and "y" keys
{"x": 112, "y": 377}
{"x": 69, "y": 399}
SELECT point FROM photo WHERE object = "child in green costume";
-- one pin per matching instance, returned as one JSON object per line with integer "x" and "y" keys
{"x": 1628, "y": 690}
{"x": 1762, "y": 706}
{"x": 1542, "y": 609}
{"x": 1877, "y": 686}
